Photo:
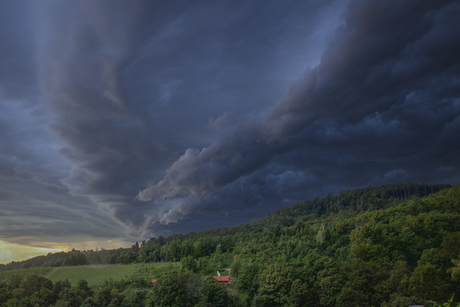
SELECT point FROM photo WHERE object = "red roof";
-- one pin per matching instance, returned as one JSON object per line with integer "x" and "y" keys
{"x": 154, "y": 281}
{"x": 222, "y": 278}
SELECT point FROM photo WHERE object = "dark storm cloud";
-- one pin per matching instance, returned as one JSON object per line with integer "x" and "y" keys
{"x": 157, "y": 117}
{"x": 381, "y": 107}
{"x": 34, "y": 202}
{"x": 17, "y": 73}
{"x": 132, "y": 86}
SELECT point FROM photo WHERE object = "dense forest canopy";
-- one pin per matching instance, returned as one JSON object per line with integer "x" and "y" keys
{"x": 392, "y": 245}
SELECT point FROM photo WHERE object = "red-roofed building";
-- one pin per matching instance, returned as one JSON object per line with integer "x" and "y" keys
{"x": 222, "y": 279}
{"x": 154, "y": 281}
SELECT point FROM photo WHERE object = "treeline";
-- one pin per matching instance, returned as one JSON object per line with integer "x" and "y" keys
{"x": 74, "y": 257}
{"x": 367, "y": 247}
{"x": 357, "y": 201}
{"x": 400, "y": 256}
{"x": 172, "y": 289}
{"x": 204, "y": 244}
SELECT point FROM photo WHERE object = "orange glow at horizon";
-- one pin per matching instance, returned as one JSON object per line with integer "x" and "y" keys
{"x": 17, "y": 252}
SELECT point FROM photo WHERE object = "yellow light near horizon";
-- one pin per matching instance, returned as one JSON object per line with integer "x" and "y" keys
{"x": 17, "y": 252}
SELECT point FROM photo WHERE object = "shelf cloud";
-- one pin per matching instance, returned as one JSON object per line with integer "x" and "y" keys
{"x": 120, "y": 121}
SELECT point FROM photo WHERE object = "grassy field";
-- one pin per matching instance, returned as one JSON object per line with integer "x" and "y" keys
{"x": 96, "y": 274}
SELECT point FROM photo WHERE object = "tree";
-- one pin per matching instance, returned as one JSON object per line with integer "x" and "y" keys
{"x": 236, "y": 267}
{"x": 426, "y": 282}
{"x": 135, "y": 298}
{"x": 188, "y": 263}
{"x": 5, "y": 295}
{"x": 198, "y": 249}
{"x": 450, "y": 303}
{"x": 173, "y": 252}
{"x": 275, "y": 286}
{"x": 219, "y": 249}
{"x": 300, "y": 295}
{"x": 455, "y": 271}
{"x": 169, "y": 290}
{"x": 320, "y": 235}
{"x": 42, "y": 297}
{"x": 104, "y": 297}
{"x": 212, "y": 293}
{"x": 69, "y": 296}
{"x": 90, "y": 302}
{"x": 14, "y": 302}
{"x": 59, "y": 286}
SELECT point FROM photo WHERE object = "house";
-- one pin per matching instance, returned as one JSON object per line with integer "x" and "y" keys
{"x": 154, "y": 281}
{"x": 222, "y": 279}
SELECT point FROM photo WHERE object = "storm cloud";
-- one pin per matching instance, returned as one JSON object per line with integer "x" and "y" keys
{"x": 132, "y": 119}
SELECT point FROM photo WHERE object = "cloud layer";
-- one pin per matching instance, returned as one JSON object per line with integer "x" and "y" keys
{"x": 141, "y": 118}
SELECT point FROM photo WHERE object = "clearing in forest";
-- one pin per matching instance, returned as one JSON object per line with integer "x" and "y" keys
{"x": 95, "y": 275}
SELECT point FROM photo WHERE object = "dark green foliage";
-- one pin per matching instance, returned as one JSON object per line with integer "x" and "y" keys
{"x": 5, "y": 295}
{"x": 104, "y": 297}
{"x": 399, "y": 252}
{"x": 170, "y": 290}
{"x": 186, "y": 289}
{"x": 188, "y": 264}
{"x": 82, "y": 289}
{"x": 286, "y": 222}
{"x": 214, "y": 294}
{"x": 134, "y": 298}
{"x": 275, "y": 286}
{"x": 75, "y": 259}
{"x": 15, "y": 302}
{"x": 90, "y": 302}
{"x": 379, "y": 246}
{"x": 70, "y": 297}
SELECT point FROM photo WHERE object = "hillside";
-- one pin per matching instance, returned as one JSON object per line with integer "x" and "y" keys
{"x": 346, "y": 203}
{"x": 393, "y": 245}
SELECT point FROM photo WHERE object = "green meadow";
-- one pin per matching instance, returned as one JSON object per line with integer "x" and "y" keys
{"x": 96, "y": 274}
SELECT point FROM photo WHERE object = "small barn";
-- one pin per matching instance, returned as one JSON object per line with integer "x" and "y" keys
{"x": 222, "y": 279}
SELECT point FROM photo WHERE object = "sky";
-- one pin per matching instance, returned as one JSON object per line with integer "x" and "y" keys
{"x": 123, "y": 120}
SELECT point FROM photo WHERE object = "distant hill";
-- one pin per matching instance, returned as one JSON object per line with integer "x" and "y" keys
{"x": 346, "y": 202}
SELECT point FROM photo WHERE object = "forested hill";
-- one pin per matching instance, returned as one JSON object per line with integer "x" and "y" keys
{"x": 345, "y": 203}
{"x": 360, "y": 200}
{"x": 385, "y": 246}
